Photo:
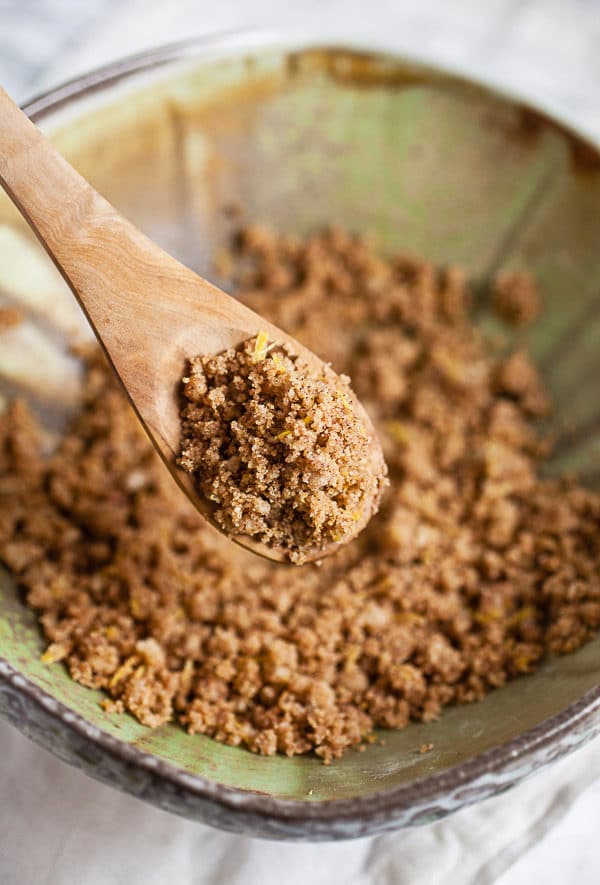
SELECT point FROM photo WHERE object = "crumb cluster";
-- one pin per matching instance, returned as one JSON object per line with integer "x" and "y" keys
{"x": 281, "y": 452}
{"x": 472, "y": 571}
{"x": 516, "y": 298}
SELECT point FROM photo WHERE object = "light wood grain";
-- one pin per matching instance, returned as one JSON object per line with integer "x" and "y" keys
{"x": 149, "y": 312}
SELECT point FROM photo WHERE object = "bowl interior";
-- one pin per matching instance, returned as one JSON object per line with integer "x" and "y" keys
{"x": 424, "y": 162}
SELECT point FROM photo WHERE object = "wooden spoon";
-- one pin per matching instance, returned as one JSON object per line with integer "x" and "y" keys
{"x": 149, "y": 312}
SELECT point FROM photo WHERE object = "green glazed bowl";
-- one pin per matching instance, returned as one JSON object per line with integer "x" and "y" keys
{"x": 428, "y": 162}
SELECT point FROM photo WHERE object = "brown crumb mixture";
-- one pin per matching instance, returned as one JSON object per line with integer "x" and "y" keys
{"x": 473, "y": 569}
{"x": 281, "y": 453}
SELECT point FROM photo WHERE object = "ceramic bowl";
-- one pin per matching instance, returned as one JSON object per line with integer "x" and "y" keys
{"x": 443, "y": 167}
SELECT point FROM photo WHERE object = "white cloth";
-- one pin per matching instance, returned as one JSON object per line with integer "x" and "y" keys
{"x": 58, "y": 827}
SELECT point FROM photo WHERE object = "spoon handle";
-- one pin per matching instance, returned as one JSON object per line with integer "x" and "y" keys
{"x": 148, "y": 311}
{"x": 56, "y": 201}
{"x": 92, "y": 245}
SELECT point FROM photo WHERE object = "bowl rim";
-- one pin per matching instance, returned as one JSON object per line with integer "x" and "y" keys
{"x": 426, "y": 797}
{"x": 225, "y": 43}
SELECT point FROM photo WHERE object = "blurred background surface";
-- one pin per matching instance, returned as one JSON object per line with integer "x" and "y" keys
{"x": 547, "y": 49}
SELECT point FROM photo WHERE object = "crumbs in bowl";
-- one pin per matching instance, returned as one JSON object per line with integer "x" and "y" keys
{"x": 473, "y": 570}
